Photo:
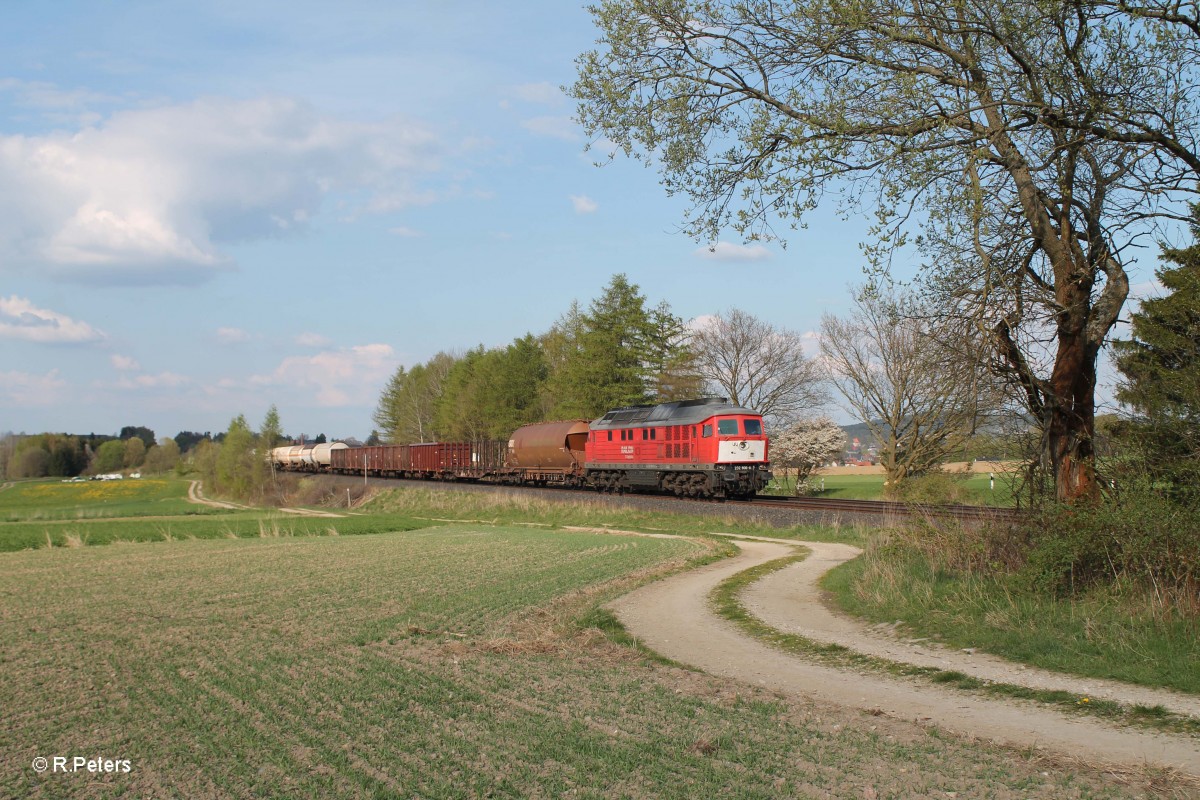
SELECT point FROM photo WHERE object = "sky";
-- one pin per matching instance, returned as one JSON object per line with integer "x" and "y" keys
{"x": 210, "y": 208}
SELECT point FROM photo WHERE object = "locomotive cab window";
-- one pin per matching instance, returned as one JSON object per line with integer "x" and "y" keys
{"x": 707, "y": 431}
{"x": 610, "y": 436}
{"x": 753, "y": 427}
{"x": 727, "y": 427}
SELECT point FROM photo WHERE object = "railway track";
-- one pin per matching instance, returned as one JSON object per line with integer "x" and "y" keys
{"x": 886, "y": 508}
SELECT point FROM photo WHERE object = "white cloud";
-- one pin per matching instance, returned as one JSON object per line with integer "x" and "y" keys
{"x": 21, "y": 319}
{"x": 334, "y": 378}
{"x": 404, "y": 231}
{"x": 312, "y": 340}
{"x": 163, "y": 380}
{"x": 153, "y": 195}
{"x": 232, "y": 335}
{"x": 728, "y": 251}
{"x": 554, "y": 127}
{"x": 27, "y": 389}
{"x": 584, "y": 204}
{"x": 125, "y": 363}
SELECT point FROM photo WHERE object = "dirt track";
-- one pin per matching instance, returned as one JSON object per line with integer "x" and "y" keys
{"x": 196, "y": 496}
{"x": 674, "y": 618}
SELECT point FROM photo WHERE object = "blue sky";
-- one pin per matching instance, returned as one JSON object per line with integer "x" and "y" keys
{"x": 208, "y": 208}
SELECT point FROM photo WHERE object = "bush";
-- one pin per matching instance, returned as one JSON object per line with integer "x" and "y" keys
{"x": 1143, "y": 541}
{"x": 988, "y": 547}
{"x": 1142, "y": 547}
{"x": 933, "y": 488}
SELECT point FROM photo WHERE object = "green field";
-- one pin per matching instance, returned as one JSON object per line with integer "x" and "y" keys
{"x": 437, "y": 663}
{"x": 977, "y": 489}
{"x": 134, "y": 511}
{"x": 421, "y": 658}
{"x": 55, "y": 500}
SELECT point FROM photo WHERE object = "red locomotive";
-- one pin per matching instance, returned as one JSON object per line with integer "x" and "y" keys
{"x": 691, "y": 448}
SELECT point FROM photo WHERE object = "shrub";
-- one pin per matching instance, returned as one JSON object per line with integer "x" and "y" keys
{"x": 1143, "y": 541}
{"x": 1142, "y": 547}
{"x": 933, "y": 488}
{"x": 978, "y": 546}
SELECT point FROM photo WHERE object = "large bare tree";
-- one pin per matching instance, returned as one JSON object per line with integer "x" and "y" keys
{"x": 759, "y": 365}
{"x": 1027, "y": 142}
{"x": 918, "y": 396}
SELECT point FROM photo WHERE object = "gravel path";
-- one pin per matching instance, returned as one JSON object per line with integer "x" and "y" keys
{"x": 674, "y": 618}
{"x": 790, "y": 600}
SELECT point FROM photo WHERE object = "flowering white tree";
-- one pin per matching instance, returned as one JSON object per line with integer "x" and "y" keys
{"x": 807, "y": 444}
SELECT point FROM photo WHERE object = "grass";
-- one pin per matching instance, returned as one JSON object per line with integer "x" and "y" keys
{"x": 1102, "y": 635}
{"x": 977, "y": 487}
{"x": 524, "y": 509}
{"x": 390, "y": 510}
{"x": 241, "y": 525}
{"x": 53, "y": 500}
{"x": 462, "y": 661}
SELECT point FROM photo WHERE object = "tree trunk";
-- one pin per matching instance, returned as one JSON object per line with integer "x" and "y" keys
{"x": 1070, "y": 419}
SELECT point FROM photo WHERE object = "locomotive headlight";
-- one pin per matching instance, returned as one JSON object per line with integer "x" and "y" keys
{"x": 742, "y": 445}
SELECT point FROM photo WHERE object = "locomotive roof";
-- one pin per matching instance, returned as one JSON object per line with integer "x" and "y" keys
{"x": 680, "y": 412}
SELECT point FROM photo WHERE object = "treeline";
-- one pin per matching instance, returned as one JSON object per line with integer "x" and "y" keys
{"x": 619, "y": 351}
{"x": 68, "y": 455}
{"x": 64, "y": 455}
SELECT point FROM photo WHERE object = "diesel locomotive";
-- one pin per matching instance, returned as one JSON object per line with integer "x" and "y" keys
{"x": 689, "y": 448}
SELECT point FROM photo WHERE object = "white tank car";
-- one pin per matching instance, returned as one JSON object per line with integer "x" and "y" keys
{"x": 320, "y": 454}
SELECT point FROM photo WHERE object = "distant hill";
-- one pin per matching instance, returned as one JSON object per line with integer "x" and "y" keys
{"x": 859, "y": 431}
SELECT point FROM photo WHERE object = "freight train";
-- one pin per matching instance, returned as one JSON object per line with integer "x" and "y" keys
{"x": 689, "y": 448}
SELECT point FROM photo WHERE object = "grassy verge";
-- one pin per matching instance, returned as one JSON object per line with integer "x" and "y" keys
{"x": 1100, "y": 634}
{"x": 727, "y": 603}
{"x": 439, "y": 663}
{"x": 395, "y": 510}
{"x": 499, "y": 508}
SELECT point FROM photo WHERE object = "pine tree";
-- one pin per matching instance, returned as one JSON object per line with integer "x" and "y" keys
{"x": 673, "y": 370}
{"x": 607, "y": 367}
{"x": 1160, "y": 366}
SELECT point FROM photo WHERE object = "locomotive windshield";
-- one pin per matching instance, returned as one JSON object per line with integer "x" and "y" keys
{"x": 754, "y": 427}
{"x": 727, "y": 427}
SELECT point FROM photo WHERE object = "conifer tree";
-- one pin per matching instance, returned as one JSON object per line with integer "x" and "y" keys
{"x": 1160, "y": 367}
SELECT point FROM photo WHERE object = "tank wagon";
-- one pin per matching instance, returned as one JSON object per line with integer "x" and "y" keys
{"x": 691, "y": 448}
{"x": 306, "y": 457}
